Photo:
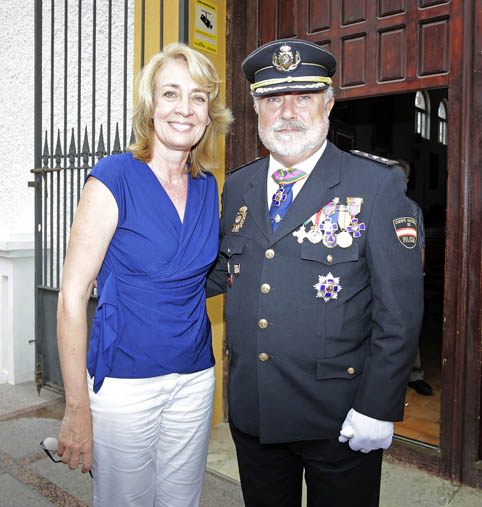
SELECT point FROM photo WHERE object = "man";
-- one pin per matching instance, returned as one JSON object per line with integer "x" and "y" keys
{"x": 323, "y": 277}
{"x": 417, "y": 376}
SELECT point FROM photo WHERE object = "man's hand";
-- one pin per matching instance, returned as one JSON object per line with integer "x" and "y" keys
{"x": 364, "y": 433}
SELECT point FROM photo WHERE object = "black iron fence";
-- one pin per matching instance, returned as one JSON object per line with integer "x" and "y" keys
{"x": 83, "y": 92}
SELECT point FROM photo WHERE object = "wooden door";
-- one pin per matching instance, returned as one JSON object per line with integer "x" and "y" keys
{"x": 392, "y": 47}
{"x": 383, "y": 46}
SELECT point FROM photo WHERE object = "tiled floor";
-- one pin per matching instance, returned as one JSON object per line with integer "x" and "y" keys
{"x": 422, "y": 416}
{"x": 422, "y": 413}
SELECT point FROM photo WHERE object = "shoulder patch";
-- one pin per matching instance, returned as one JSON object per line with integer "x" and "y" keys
{"x": 374, "y": 158}
{"x": 406, "y": 231}
{"x": 242, "y": 166}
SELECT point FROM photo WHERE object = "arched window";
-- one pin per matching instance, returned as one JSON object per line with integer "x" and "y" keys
{"x": 422, "y": 114}
{"x": 442, "y": 122}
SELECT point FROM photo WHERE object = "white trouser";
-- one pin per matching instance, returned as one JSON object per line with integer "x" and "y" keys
{"x": 151, "y": 439}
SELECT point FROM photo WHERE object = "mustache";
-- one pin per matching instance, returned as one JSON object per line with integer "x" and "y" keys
{"x": 288, "y": 125}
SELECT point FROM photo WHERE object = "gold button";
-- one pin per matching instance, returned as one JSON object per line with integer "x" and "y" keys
{"x": 329, "y": 258}
{"x": 269, "y": 254}
{"x": 262, "y": 323}
{"x": 263, "y": 356}
{"x": 265, "y": 288}
{"x": 350, "y": 370}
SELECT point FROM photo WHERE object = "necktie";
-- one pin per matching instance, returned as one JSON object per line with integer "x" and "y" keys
{"x": 283, "y": 197}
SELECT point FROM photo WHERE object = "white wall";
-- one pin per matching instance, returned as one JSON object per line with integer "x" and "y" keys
{"x": 16, "y": 199}
{"x": 16, "y": 312}
{"x": 16, "y": 118}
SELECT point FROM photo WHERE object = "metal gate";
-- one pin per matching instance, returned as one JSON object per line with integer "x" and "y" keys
{"x": 83, "y": 92}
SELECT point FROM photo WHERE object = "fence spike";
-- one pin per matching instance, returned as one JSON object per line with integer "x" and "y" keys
{"x": 85, "y": 150}
{"x": 100, "y": 145}
{"x": 45, "y": 154}
{"x": 58, "y": 150}
{"x": 133, "y": 137}
{"x": 72, "y": 153}
{"x": 117, "y": 148}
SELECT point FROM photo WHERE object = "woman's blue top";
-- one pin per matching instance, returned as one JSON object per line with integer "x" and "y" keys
{"x": 151, "y": 316}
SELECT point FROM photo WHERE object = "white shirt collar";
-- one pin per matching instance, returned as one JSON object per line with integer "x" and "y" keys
{"x": 306, "y": 165}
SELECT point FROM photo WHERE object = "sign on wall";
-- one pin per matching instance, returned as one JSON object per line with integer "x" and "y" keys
{"x": 205, "y": 29}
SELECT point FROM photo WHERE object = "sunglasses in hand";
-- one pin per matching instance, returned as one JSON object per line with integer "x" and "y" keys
{"x": 50, "y": 446}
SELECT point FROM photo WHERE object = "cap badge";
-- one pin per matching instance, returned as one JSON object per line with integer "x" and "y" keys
{"x": 284, "y": 61}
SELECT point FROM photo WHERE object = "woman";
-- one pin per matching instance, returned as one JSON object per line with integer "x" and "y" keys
{"x": 138, "y": 408}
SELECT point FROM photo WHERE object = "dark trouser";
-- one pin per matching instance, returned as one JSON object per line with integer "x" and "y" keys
{"x": 271, "y": 474}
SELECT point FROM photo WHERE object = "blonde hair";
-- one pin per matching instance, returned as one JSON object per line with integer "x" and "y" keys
{"x": 203, "y": 154}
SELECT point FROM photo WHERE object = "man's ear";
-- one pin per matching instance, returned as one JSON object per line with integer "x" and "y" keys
{"x": 329, "y": 106}
{"x": 255, "y": 107}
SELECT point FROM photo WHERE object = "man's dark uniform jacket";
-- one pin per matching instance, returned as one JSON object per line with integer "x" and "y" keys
{"x": 298, "y": 363}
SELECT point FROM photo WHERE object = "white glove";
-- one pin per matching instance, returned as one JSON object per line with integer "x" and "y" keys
{"x": 364, "y": 433}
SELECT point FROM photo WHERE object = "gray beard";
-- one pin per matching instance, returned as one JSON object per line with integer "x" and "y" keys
{"x": 306, "y": 140}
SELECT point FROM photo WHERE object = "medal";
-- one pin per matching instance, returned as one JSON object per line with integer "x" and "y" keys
{"x": 334, "y": 224}
{"x": 330, "y": 208}
{"x": 344, "y": 239}
{"x": 343, "y": 217}
{"x": 314, "y": 234}
{"x": 355, "y": 228}
{"x": 354, "y": 205}
{"x": 329, "y": 240}
{"x": 239, "y": 219}
{"x": 327, "y": 287}
{"x": 329, "y": 228}
{"x": 279, "y": 196}
{"x": 300, "y": 234}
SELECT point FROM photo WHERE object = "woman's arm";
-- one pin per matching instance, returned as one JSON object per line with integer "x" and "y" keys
{"x": 92, "y": 230}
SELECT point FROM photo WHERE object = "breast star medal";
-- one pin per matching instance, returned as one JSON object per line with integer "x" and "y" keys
{"x": 328, "y": 287}
{"x": 239, "y": 219}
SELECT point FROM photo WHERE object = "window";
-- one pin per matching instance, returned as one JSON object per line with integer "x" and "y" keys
{"x": 442, "y": 122}
{"x": 422, "y": 114}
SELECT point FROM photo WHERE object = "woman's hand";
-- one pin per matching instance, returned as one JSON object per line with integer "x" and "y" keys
{"x": 75, "y": 438}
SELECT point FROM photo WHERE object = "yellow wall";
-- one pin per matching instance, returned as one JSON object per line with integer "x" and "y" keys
{"x": 151, "y": 46}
